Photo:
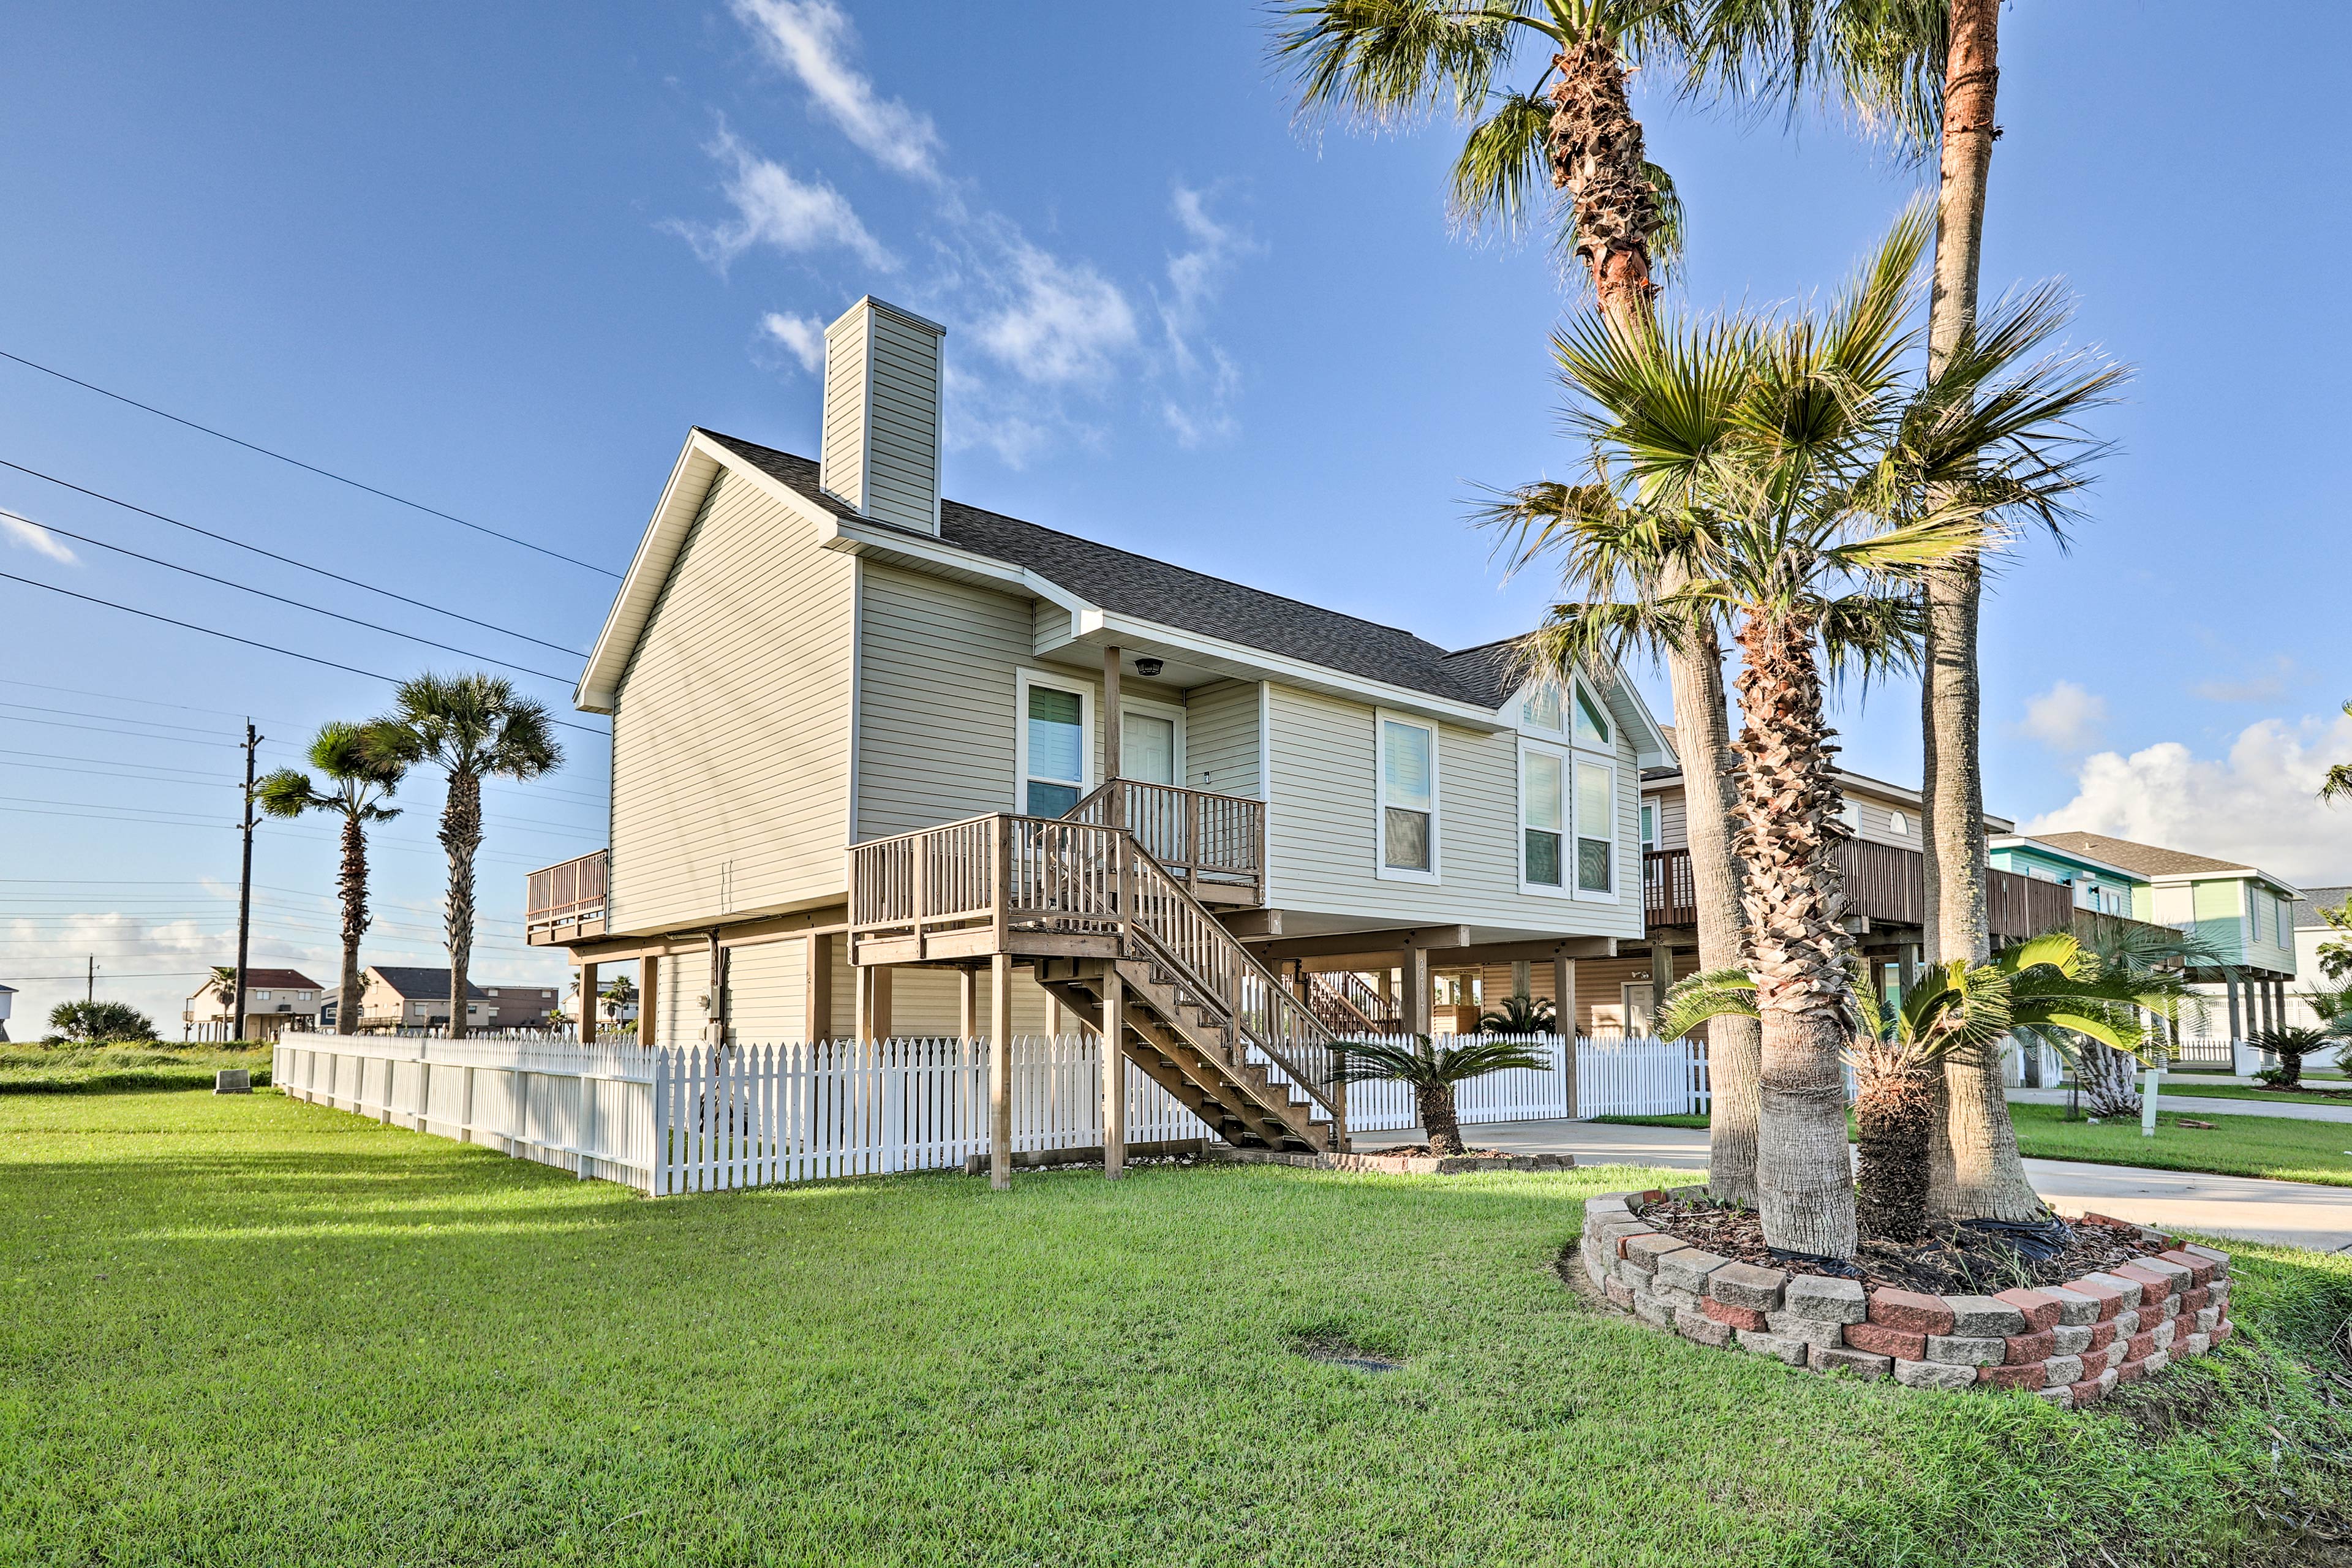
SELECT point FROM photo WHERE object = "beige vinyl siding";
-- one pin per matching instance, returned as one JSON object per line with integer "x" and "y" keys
{"x": 1322, "y": 847}
{"x": 1221, "y": 738}
{"x": 1877, "y": 821}
{"x": 731, "y": 733}
{"x": 902, "y": 404}
{"x": 678, "y": 1017}
{"x": 841, "y": 466}
{"x": 764, "y": 999}
{"x": 1674, "y": 817}
{"x": 926, "y": 1003}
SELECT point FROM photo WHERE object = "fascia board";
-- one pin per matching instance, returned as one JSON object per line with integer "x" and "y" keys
{"x": 698, "y": 462}
{"x": 2027, "y": 841}
{"x": 2234, "y": 874}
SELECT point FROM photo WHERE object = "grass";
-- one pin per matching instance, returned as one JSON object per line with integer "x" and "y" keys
{"x": 2190, "y": 1087}
{"x": 2236, "y": 1146}
{"x": 1670, "y": 1119}
{"x": 110, "y": 1068}
{"x": 247, "y": 1330}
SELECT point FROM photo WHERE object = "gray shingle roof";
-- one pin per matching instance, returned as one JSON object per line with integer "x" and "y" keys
{"x": 2147, "y": 860}
{"x": 424, "y": 985}
{"x": 2313, "y": 900}
{"x": 1131, "y": 584}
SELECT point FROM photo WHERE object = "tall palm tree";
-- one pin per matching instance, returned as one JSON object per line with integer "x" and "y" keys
{"x": 1571, "y": 126}
{"x": 471, "y": 726}
{"x": 222, "y": 984}
{"x": 1431, "y": 1070}
{"x": 2052, "y": 988}
{"x": 1794, "y": 478}
{"x": 363, "y": 774}
{"x": 2337, "y": 784}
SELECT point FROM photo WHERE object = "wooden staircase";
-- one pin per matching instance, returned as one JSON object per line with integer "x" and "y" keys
{"x": 1348, "y": 1006}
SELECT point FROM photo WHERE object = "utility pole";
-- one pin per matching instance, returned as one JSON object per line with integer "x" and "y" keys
{"x": 244, "y": 889}
{"x": 90, "y": 995}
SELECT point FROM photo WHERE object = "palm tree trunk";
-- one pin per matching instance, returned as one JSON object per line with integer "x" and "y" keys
{"x": 1436, "y": 1104}
{"x": 1893, "y": 1111}
{"x": 1795, "y": 942}
{"x": 355, "y": 924}
{"x": 1597, "y": 157}
{"x": 461, "y": 835}
{"x": 2108, "y": 1085}
{"x": 1703, "y": 730}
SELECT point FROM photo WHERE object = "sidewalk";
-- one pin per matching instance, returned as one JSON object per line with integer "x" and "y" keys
{"x": 2298, "y": 1214}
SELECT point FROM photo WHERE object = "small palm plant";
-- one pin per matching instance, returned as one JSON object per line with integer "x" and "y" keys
{"x": 361, "y": 773}
{"x": 2293, "y": 1042}
{"x": 2050, "y": 989}
{"x": 1431, "y": 1071}
{"x": 1519, "y": 1014}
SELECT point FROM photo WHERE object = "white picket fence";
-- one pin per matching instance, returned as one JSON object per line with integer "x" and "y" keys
{"x": 702, "y": 1118}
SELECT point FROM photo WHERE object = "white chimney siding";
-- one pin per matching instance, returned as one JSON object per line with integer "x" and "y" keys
{"x": 881, "y": 438}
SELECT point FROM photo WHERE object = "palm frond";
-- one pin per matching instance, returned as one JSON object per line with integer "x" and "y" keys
{"x": 1505, "y": 167}
{"x": 1713, "y": 993}
{"x": 1380, "y": 62}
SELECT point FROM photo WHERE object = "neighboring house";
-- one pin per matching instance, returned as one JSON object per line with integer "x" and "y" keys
{"x": 2244, "y": 913}
{"x": 863, "y": 753}
{"x": 403, "y": 996}
{"x": 2311, "y": 932}
{"x": 275, "y": 999}
{"x": 8, "y": 997}
{"x": 2093, "y": 884}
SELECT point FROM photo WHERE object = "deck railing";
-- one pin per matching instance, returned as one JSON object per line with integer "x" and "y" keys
{"x": 1887, "y": 884}
{"x": 1200, "y": 837}
{"x": 1056, "y": 876}
{"x": 567, "y": 893}
{"x": 1349, "y": 1006}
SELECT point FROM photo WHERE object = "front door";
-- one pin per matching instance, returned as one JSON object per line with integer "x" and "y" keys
{"x": 1147, "y": 748}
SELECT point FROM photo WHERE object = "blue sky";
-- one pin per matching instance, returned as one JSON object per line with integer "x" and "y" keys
{"x": 500, "y": 268}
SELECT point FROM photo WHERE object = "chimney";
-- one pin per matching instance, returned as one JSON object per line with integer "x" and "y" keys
{"x": 881, "y": 446}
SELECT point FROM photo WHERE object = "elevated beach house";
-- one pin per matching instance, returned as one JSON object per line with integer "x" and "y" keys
{"x": 884, "y": 765}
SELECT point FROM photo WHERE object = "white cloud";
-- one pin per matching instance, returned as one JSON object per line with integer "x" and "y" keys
{"x": 803, "y": 335}
{"x": 812, "y": 40}
{"x": 2267, "y": 688}
{"x": 1064, "y": 322}
{"x": 2259, "y": 803}
{"x": 1206, "y": 381}
{"x": 26, "y": 535}
{"x": 2066, "y": 717}
{"x": 775, "y": 209}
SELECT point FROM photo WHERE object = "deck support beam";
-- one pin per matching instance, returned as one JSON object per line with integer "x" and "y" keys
{"x": 1563, "y": 1022}
{"x": 817, "y": 988}
{"x": 968, "y": 1002}
{"x": 587, "y": 1020}
{"x": 1416, "y": 990}
{"x": 1114, "y": 728}
{"x": 1662, "y": 980}
{"x": 1000, "y": 1071}
{"x": 1113, "y": 1072}
{"x": 649, "y": 984}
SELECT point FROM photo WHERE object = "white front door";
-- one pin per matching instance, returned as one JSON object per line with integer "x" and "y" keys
{"x": 1147, "y": 748}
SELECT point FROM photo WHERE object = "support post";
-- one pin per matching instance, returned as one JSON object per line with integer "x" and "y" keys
{"x": 1416, "y": 991}
{"x": 1907, "y": 964}
{"x": 1662, "y": 980}
{"x": 1000, "y": 1071}
{"x": 1114, "y": 1071}
{"x": 2148, "y": 1103}
{"x": 879, "y": 1010}
{"x": 816, "y": 989}
{"x": 650, "y": 984}
{"x": 1114, "y": 730}
{"x": 861, "y": 1003}
{"x": 1563, "y": 1014}
{"x": 588, "y": 1004}
{"x": 2237, "y": 1024}
{"x": 968, "y": 1003}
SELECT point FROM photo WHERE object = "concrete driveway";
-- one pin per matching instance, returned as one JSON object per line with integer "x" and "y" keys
{"x": 2298, "y": 1214}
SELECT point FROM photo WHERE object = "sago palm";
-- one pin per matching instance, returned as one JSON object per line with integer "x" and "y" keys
{"x": 362, "y": 773}
{"x": 2159, "y": 960}
{"x": 473, "y": 727}
{"x": 1794, "y": 478}
{"x": 1431, "y": 1070}
{"x": 1519, "y": 1014}
{"x": 2049, "y": 989}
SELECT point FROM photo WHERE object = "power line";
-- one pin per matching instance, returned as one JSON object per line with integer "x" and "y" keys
{"x": 274, "y": 555}
{"x": 148, "y": 701}
{"x": 248, "y": 642}
{"x": 150, "y": 723}
{"x": 312, "y": 467}
{"x": 157, "y": 771}
{"x": 156, "y": 975}
{"x": 283, "y": 599}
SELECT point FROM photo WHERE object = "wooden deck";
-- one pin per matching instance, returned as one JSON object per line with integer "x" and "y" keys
{"x": 1215, "y": 843}
{"x": 565, "y": 902}
{"x": 1885, "y": 885}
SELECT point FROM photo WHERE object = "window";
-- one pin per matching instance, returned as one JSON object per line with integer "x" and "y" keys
{"x": 1596, "y": 824}
{"x": 261, "y": 995}
{"x": 1541, "y": 709}
{"x": 1542, "y": 803}
{"x": 1649, "y": 826}
{"x": 1591, "y": 724}
{"x": 1053, "y": 744}
{"x": 1147, "y": 747}
{"x": 490, "y": 991}
{"x": 2174, "y": 906}
{"x": 1899, "y": 824}
{"x": 1850, "y": 813}
{"x": 1408, "y": 788}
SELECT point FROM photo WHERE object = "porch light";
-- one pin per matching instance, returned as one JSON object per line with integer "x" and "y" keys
{"x": 1148, "y": 667}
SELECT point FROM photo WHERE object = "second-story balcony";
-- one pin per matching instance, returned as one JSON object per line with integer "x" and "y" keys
{"x": 565, "y": 901}
{"x": 1215, "y": 843}
{"x": 1886, "y": 886}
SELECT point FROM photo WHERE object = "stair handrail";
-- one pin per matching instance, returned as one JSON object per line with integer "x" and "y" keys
{"x": 1341, "y": 991}
{"x": 1228, "y": 1001}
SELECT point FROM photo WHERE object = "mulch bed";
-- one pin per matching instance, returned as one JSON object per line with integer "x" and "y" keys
{"x": 1953, "y": 1260}
{"x": 1423, "y": 1151}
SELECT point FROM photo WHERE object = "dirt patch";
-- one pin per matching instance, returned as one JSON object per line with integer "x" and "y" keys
{"x": 1954, "y": 1261}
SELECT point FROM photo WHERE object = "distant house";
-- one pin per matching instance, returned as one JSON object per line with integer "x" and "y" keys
{"x": 2245, "y": 913}
{"x": 2093, "y": 884}
{"x": 2310, "y": 931}
{"x": 398, "y": 996}
{"x": 274, "y": 1000}
{"x": 7, "y": 996}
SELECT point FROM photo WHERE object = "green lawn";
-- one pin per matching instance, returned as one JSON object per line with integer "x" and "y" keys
{"x": 2235, "y": 1146}
{"x": 243, "y": 1330}
{"x": 101, "y": 1070}
{"x": 1669, "y": 1120}
{"x": 2190, "y": 1085}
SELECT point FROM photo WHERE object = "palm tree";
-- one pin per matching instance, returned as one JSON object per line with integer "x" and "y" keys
{"x": 2338, "y": 784}
{"x": 2159, "y": 960}
{"x": 472, "y": 727}
{"x": 1431, "y": 1071}
{"x": 2293, "y": 1042}
{"x": 363, "y": 774}
{"x": 1379, "y": 61}
{"x": 619, "y": 996}
{"x": 1519, "y": 1014}
{"x": 2052, "y": 988}
{"x": 1793, "y": 477}
{"x": 222, "y": 984}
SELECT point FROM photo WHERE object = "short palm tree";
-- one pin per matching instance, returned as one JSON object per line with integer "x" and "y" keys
{"x": 472, "y": 727}
{"x": 1795, "y": 479}
{"x": 2159, "y": 960}
{"x": 1431, "y": 1070}
{"x": 2052, "y": 988}
{"x": 619, "y": 996}
{"x": 2293, "y": 1042}
{"x": 362, "y": 773}
{"x": 1519, "y": 1014}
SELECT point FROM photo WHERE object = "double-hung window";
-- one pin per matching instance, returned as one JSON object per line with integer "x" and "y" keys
{"x": 1054, "y": 743}
{"x": 1596, "y": 826}
{"x": 1543, "y": 806}
{"x": 1568, "y": 794}
{"x": 1408, "y": 799}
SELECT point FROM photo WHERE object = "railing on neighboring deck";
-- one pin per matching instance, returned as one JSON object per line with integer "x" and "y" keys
{"x": 569, "y": 893}
{"x": 1207, "y": 839}
{"x": 1349, "y": 1006}
{"x": 1884, "y": 883}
